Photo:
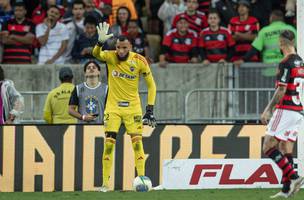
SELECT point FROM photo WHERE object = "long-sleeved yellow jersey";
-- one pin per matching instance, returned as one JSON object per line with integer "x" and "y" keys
{"x": 123, "y": 79}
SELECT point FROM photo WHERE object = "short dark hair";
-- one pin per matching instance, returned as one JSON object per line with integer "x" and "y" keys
{"x": 122, "y": 38}
{"x": 19, "y": 4}
{"x": 2, "y": 77}
{"x": 90, "y": 19}
{"x": 288, "y": 35}
{"x": 134, "y": 21}
{"x": 78, "y": 2}
{"x": 278, "y": 14}
{"x": 55, "y": 6}
{"x": 214, "y": 11}
{"x": 89, "y": 62}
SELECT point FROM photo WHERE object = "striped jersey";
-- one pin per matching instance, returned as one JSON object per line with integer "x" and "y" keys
{"x": 204, "y": 5}
{"x": 250, "y": 25}
{"x": 216, "y": 43}
{"x": 178, "y": 48}
{"x": 197, "y": 22}
{"x": 291, "y": 74}
{"x": 18, "y": 53}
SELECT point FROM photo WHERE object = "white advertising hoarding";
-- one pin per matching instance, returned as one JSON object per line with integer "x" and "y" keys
{"x": 220, "y": 173}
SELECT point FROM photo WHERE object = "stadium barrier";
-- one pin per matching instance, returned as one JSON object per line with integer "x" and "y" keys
{"x": 68, "y": 157}
{"x": 198, "y": 106}
{"x": 226, "y": 105}
{"x": 181, "y": 78}
{"x": 169, "y": 107}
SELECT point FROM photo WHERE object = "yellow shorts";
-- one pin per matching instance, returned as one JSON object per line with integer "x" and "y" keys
{"x": 131, "y": 120}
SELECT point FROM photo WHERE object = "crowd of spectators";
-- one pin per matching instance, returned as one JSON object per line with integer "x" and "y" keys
{"x": 64, "y": 31}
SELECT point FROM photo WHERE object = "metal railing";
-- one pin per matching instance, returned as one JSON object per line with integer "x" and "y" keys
{"x": 169, "y": 106}
{"x": 34, "y": 102}
{"x": 225, "y": 105}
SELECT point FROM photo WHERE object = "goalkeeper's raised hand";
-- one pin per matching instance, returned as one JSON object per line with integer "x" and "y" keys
{"x": 102, "y": 30}
{"x": 149, "y": 118}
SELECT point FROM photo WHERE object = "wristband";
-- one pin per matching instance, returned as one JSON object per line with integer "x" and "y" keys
{"x": 149, "y": 108}
{"x": 100, "y": 44}
{"x": 83, "y": 117}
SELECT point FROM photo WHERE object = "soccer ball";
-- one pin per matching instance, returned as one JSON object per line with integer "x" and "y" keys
{"x": 142, "y": 184}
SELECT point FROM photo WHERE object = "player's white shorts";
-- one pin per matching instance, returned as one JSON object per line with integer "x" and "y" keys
{"x": 285, "y": 124}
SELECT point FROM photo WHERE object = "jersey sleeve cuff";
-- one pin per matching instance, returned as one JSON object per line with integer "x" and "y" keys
{"x": 281, "y": 84}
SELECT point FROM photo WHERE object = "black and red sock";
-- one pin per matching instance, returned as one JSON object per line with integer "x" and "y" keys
{"x": 283, "y": 162}
{"x": 285, "y": 180}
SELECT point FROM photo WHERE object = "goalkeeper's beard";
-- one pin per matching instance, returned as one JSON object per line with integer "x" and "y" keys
{"x": 123, "y": 58}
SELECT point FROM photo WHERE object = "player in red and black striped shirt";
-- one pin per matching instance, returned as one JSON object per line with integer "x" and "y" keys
{"x": 215, "y": 42}
{"x": 18, "y": 39}
{"x": 288, "y": 117}
{"x": 197, "y": 20}
{"x": 179, "y": 45}
{"x": 244, "y": 29}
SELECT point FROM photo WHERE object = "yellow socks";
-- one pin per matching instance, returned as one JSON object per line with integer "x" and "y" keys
{"x": 107, "y": 160}
{"x": 139, "y": 155}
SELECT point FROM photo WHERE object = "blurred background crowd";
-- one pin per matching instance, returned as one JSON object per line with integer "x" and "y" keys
{"x": 164, "y": 31}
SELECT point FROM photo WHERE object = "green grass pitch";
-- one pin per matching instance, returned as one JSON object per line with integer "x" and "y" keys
{"x": 223, "y": 194}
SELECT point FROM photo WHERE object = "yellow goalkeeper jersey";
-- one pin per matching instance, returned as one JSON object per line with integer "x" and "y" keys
{"x": 123, "y": 79}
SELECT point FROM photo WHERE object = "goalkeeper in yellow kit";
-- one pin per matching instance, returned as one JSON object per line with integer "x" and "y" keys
{"x": 123, "y": 101}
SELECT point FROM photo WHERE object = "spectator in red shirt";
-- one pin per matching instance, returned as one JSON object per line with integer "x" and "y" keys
{"x": 244, "y": 29}
{"x": 18, "y": 37}
{"x": 123, "y": 17}
{"x": 179, "y": 45}
{"x": 215, "y": 42}
{"x": 197, "y": 20}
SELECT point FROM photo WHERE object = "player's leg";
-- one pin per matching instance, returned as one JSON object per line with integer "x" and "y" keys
{"x": 134, "y": 126}
{"x": 112, "y": 123}
{"x": 284, "y": 148}
{"x": 139, "y": 154}
{"x": 107, "y": 157}
{"x": 269, "y": 149}
{"x": 280, "y": 128}
{"x": 292, "y": 138}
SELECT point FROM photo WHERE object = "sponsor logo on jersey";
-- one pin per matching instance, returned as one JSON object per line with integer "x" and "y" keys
{"x": 297, "y": 63}
{"x": 220, "y": 37}
{"x": 198, "y": 21}
{"x": 122, "y": 75}
{"x": 188, "y": 41}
